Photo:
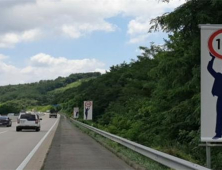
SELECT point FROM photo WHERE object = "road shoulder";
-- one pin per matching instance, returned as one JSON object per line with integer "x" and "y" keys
{"x": 73, "y": 149}
{"x": 38, "y": 158}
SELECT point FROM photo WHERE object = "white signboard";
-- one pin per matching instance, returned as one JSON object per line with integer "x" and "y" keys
{"x": 88, "y": 110}
{"x": 211, "y": 83}
{"x": 76, "y": 112}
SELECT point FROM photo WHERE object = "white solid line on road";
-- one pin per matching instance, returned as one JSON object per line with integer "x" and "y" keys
{"x": 30, "y": 155}
{"x": 3, "y": 132}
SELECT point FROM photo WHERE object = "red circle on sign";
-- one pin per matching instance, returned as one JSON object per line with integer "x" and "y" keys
{"x": 88, "y": 104}
{"x": 210, "y": 44}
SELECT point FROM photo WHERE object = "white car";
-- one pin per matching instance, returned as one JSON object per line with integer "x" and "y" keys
{"x": 28, "y": 121}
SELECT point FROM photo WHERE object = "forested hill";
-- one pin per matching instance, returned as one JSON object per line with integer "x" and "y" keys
{"x": 14, "y": 98}
{"x": 155, "y": 100}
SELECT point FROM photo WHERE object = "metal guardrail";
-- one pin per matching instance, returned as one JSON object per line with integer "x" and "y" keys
{"x": 160, "y": 157}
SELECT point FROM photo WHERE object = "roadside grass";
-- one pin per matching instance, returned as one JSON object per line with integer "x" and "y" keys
{"x": 134, "y": 159}
{"x": 40, "y": 108}
{"x": 71, "y": 85}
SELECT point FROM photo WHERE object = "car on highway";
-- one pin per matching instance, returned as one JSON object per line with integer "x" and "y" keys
{"x": 54, "y": 114}
{"x": 28, "y": 121}
{"x": 5, "y": 121}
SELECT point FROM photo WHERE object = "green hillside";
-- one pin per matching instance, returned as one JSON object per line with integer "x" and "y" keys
{"x": 14, "y": 98}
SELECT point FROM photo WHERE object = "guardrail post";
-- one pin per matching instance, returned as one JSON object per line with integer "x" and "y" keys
{"x": 208, "y": 154}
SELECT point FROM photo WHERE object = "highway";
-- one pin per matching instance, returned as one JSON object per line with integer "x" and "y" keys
{"x": 70, "y": 149}
{"x": 16, "y": 148}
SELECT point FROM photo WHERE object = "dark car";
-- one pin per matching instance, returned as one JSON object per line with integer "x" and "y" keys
{"x": 5, "y": 121}
{"x": 53, "y": 115}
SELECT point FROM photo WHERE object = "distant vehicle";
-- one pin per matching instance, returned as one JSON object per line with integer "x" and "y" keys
{"x": 11, "y": 114}
{"x": 28, "y": 121}
{"x": 5, "y": 121}
{"x": 53, "y": 115}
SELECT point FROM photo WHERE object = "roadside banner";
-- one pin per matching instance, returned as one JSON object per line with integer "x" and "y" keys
{"x": 211, "y": 83}
{"x": 76, "y": 112}
{"x": 88, "y": 110}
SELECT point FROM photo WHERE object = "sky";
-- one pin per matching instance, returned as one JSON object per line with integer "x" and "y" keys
{"x": 45, "y": 39}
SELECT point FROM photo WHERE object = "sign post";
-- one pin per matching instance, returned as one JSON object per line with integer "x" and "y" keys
{"x": 88, "y": 110}
{"x": 211, "y": 87}
{"x": 208, "y": 154}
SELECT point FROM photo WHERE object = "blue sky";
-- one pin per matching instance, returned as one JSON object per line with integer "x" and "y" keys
{"x": 44, "y": 39}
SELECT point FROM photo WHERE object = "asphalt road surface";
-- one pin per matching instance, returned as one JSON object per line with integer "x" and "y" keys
{"x": 71, "y": 149}
{"x": 16, "y": 146}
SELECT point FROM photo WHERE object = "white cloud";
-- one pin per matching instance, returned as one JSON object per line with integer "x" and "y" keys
{"x": 76, "y": 31}
{"x": 10, "y": 39}
{"x": 101, "y": 70}
{"x": 43, "y": 67}
{"x": 2, "y": 57}
{"x": 71, "y": 31}
{"x": 136, "y": 26}
{"x": 138, "y": 38}
{"x": 21, "y": 21}
{"x": 30, "y": 35}
{"x": 7, "y": 73}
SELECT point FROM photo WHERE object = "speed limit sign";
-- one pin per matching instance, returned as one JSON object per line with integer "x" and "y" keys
{"x": 88, "y": 103}
{"x": 211, "y": 83}
{"x": 215, "y": 44}
{"x": 88, "y": 110}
